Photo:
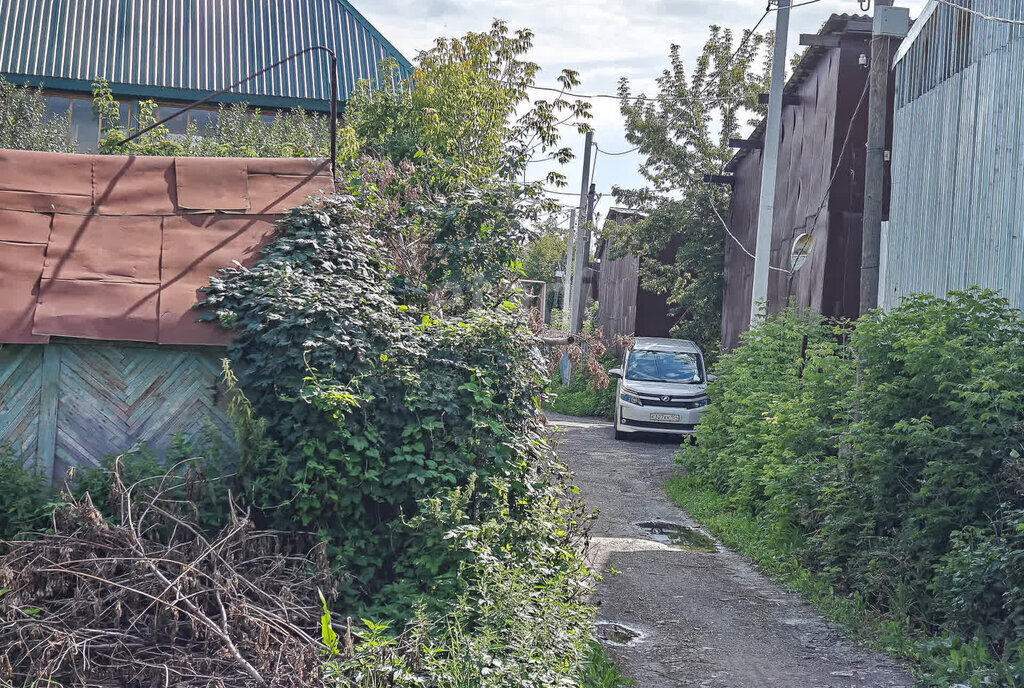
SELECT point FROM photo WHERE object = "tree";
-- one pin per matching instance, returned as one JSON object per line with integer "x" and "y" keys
{"x": 684, "y": 133}
{"x": 448, "y": 150}
{"x": 544, "y": 256}
{"x": 24, "y": 124}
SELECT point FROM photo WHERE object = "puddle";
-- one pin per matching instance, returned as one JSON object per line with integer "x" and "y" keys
{"x": 678, "y": 536}
{"x": 616, "y": 633}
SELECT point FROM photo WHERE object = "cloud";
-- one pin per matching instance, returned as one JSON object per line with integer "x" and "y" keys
{"x": 603, "y": 39}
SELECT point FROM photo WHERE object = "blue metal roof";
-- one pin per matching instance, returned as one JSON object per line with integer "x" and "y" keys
{"x": 182, "y": 48}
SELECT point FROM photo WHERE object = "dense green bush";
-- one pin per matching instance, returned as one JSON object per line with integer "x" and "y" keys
{"x": 888, "y": 454}
{"x": 25, "y": 125}
{"x": 372, "y": 406}
{"x": 582, "y": 397}
{"x": 24, "y": 497}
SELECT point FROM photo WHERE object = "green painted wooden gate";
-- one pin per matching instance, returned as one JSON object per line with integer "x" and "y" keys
{"x": 71, "y": 402}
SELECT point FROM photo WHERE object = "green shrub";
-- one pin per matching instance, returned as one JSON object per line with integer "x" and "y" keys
{"x": 24, "y": 498}
{"x": 25, "y": 125}
{"x": 885, "y": 456}
{"x": 582, "y": 397}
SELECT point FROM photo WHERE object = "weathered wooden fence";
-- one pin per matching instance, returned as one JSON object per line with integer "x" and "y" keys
{"x": 70, "y": 403}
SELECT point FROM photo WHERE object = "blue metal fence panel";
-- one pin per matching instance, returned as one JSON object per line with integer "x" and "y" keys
{"x": 957, "y": 210}
{"x": 189, "y": 46}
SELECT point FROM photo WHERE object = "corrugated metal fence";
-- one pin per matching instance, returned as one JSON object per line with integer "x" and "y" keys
{"x": 957, "y": 211}
{"x": 194, "y": 45}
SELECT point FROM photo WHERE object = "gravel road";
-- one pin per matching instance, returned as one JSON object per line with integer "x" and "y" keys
{"x": 703, "y": 618}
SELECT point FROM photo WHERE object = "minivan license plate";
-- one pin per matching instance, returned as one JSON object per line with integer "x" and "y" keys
{"x": 665, "y": 417}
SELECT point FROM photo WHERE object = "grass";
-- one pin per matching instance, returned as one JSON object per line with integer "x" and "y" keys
{"x": 935, "y": 661}
{"x": 580, "y": 399}
{"x": 601, "y": 671}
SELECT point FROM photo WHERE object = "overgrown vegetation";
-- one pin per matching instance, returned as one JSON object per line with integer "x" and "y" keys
{"x": 237, "y": 132}
{"x": 24, "y": 124}
{"x": 584, "y": 396}
{"x": 683, "y": 131}
{"x": 385, "y": 393}
{"x": 882, "y": 463}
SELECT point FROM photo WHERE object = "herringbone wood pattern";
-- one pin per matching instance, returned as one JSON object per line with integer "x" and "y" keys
{"x": 19, "y": 398}
{"x": 110, "y": 397}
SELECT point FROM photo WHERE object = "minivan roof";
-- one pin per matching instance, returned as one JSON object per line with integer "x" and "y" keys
{"x": 663, "y": 344}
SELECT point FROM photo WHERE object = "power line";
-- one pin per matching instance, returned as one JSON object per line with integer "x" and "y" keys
{"x": 625, "y": 152}
{"x": 842, "y": 152}
{"x": 976, "y": 13}
{"x": 738, "y": 243}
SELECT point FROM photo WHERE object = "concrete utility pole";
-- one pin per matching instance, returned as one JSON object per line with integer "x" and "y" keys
{"x": 567, "y": 273}
{"x": 770, "y": 163}
{"x": 577, "y": 298}
{"x": 889, "y": 22}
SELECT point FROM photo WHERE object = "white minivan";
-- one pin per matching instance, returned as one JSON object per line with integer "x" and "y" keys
{"x": 662, "y": 387}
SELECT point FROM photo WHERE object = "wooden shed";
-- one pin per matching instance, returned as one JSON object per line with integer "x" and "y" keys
{"x": 625, "y": 307}
{"x": 820, "y": 184}
{"x": 101, "y": 259}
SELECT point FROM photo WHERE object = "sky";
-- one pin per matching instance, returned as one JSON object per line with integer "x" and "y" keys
{"x": 603, "y": 40}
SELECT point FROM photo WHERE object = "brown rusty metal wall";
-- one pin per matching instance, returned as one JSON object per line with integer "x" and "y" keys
{"x": 739, "y": 267}
{"x": 829, "y": 87}
{"x": 116, "y": 248}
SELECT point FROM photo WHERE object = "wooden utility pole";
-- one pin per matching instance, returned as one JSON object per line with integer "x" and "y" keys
{"x": 770, "y": 163}
{"x": 889, "y": 22}
{"x": 577, "y": 298}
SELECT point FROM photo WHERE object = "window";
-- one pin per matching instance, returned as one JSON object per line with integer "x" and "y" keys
{"x": 664, "y": 366}
{"x": 57, "y": 106}
{"x": 85, "y": 126}
{"x": 178, "y": 125}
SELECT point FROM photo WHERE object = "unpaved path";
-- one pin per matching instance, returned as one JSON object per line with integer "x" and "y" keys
{"x": 705, "y": 619}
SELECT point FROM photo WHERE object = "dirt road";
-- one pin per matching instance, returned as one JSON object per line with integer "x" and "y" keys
{"x": 702, "y": 614}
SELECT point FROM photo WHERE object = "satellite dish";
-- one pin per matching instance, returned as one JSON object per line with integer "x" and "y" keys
{"x": 801, "y": 249}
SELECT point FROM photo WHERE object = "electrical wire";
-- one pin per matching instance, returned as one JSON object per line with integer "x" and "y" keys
{"x": 742, "y": 247}
{"x": 794, "y": 5}
{"x": 839, "y": 160}
{"x": 976, "y": 13}
{"x": 625, "y": 152}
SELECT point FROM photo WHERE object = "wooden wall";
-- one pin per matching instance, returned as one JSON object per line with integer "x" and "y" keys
{"x": 72, "y": 402}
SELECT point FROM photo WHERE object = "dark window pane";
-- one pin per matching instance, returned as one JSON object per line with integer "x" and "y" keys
{"x": 85, "y": 127}
{"x": 124, "y": 115}
{"x": 56, "y": 106}
{"x": 203, "y": 119}
{"x": 179, "y": 124}
{"x": 268, "y": 117}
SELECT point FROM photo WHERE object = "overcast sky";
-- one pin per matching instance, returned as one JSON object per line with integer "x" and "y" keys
{"x": 603, "y": 40}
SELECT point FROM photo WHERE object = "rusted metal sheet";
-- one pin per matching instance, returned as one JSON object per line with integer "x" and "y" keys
{"x": 820, "y": 183}
{"x": 20, "y": 268}
{"x": 91, "y": 309}
{"x": 208, "y": 184}
{"x": 195, "y": 247}
{"x": 25, "y": 228}
{"x": 134, "y": 185}
{"x": 134, "y": 243}
{"x": 275, "y": 193}
{"x": 102, "y": 247}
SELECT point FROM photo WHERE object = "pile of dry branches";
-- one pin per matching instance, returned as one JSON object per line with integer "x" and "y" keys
{"x": 145, "y": 598}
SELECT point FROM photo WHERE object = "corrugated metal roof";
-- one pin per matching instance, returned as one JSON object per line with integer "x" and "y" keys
{"x": 187, "y": 47}
{"x": 837, "y": 24}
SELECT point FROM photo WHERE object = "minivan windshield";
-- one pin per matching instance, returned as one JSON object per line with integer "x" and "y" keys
{"x": 664, "y": 366}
